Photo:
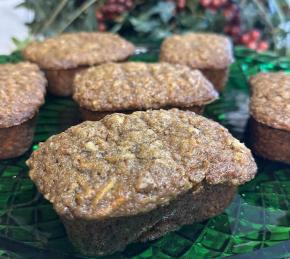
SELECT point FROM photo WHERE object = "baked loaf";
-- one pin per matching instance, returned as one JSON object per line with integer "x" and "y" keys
{"x": 135, "y": 177}
{"x": 210, "y": 53}
{"x": 270, "y": 111}
{"x": 61, "y": 57}
{"x": 22, "y": 92}
{"x": 133, "y": 86}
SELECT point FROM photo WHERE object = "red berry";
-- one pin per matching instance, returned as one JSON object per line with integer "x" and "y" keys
{"x": 113, "y": 8}
{"x": 263, "y": 45}
{"x": 228, "y": 13}
{"x": 129, "y": 4}
{"x": 102, "y": 26}
{"x": 120, "y": 9}
{"x": 252, "y": 45}
{"x": 99, "y": 16}
{"x": 181, "y": 4}
{"x": 245, "y": 38}
{"x": 255, "y": 34}
{"x": 205, "y": 3}
{"x": 216, "y": 3}
{"x": 235, "y": 30}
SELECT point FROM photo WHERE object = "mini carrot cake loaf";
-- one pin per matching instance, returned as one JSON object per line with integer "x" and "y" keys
{"x": 210, "y": 53}
{"x": 22, "y": 91}
{"x": 135, "y": 177}
{"x": 63, "y": 56}
{"x": 270, "y": 111}
{"x": 125, "y": 87}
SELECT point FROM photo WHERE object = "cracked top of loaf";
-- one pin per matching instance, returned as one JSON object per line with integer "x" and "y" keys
{"x": 22, "y": 91}
{"x": 72, "y": 50}
{"x": 137, "y": 85}
{"x": 130, "y": 164}
{"x": 270, "y": 100}
{"x": 198, "y": 50}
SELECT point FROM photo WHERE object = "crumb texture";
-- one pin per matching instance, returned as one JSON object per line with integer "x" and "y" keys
{"x": 198, "y": 50}
{"x": 137, "y": 85}
{"x": 22, "y": 91}
{"x": 78, "y": 49}
{"x": 130, "y": 164}
{"x": 270, "y": 100}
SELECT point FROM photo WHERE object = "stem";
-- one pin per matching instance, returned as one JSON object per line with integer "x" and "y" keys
{"x": 55, "y": 13}
{"x": 76, "y": 14}
{"x": 51, "y": 19}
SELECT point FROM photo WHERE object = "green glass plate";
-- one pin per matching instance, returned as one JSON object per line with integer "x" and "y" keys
{"x": 256, "y": 224}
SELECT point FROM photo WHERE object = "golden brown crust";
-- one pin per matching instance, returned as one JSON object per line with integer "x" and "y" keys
{"x": 198, "y": 50}
{"x": 130, "y": 164}
{"x": 78, "y": 49}
{"x": 137, "y": 85}
{"x": 22, "y": 91}
{"x": 270, "y": 100}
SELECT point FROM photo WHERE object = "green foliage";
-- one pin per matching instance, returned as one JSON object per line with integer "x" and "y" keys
{"x": 159, "y": 20}
{"x": 44, "y": 10}
{"x": 154, "y": 20}
{"x": 20, "y": 44}
{"x": 273, "y": 17}
{"x": 151, "y": 19}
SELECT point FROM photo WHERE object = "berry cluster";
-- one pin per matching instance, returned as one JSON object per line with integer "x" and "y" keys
{"x": 231, "y": 12}
{"x": 213, "y": 4}
{"x": 252, "y": 40}
{"x": 111, "y": 10}
{"x": 180, "y": 4}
